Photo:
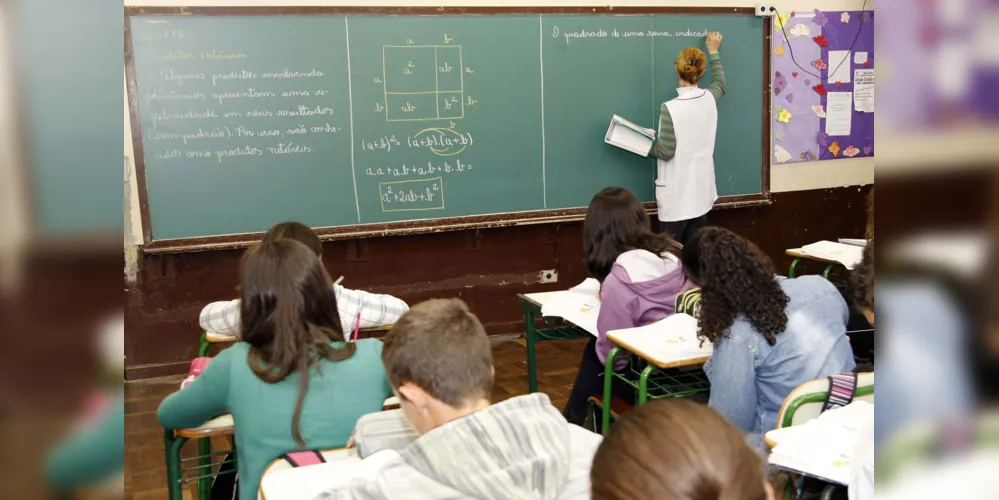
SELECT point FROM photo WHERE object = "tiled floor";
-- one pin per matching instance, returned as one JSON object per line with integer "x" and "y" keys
{"x": 145, "y": 471}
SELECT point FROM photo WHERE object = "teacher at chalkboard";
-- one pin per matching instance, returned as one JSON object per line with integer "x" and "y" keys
{"x": 685, "y": 147}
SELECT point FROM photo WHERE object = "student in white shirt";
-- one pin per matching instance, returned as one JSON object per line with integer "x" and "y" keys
{"x": 372, "y": 310}
{"x": 685, "y": 184}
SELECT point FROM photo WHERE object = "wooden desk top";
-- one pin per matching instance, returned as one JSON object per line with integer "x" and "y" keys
{"x": 538, "y": 299}
{"x": 642, "y": 350}
{"x": 218, "y": 426}
{"x": 222, "y": 338}
{"x": 798, "y": 254}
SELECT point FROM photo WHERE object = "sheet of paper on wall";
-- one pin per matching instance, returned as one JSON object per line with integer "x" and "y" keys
{"x": 839, "y": 111}
{"x": 859, "y": 57}
{"x": 863, "y": 90}
{"x": 839, "y": 67}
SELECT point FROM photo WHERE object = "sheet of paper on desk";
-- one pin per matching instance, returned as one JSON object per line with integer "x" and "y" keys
{"x": 673, "y": 338}
{"x": 589, "y": 286}
{"x": 310, "y": 481}
{"x": 859, "y": 242}
{"x": 580, "y": 309}
{"x": 823, "y": 447}
{"x": 848, "y": 255}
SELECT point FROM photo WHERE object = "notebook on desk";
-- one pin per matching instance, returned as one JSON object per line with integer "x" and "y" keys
{"x": 669, "y": 342}
{"x": 848, "y": 255}
{"x": 823, "y": 447}
{"x": 579, "y": 305}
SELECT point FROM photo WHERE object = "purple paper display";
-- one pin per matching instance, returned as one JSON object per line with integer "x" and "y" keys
{"x": 798, "y": 122}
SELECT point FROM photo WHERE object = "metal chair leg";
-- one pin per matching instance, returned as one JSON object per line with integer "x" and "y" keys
{"x": 532, "y": 359}
{"x": 608, "y": 381}
{"x": 172, "y": 446}
{"x": 204, "y": 461}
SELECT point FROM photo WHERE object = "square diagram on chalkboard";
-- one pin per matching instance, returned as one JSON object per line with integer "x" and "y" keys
{"x": 423, "y": 82}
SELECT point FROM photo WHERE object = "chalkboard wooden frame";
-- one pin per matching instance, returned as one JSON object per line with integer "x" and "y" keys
{"x": 209, "y": 243}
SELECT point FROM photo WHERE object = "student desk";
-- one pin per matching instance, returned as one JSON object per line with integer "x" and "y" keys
{"x": 209, "y": 338}
{"x": 174, "y": 440}
{"x": 800, "y": 256}
{"x": 681, "y": 385}
{"x": 531, "y": 303}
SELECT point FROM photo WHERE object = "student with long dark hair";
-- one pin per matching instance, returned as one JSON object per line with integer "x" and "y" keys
{"x": 640, "y": 276}
{"x": 354, "y": 306}
{"x": 770, "y": 333}
{"x": 293, "y": 383}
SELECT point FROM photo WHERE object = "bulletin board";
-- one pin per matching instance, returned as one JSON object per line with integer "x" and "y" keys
{"x": 823, "y": 85}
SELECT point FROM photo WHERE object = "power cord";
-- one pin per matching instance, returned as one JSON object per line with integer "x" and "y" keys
{"x": 787, "y": 42}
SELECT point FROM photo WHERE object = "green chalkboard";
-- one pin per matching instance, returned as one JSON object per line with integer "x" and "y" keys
{"x": 362, "y": 121}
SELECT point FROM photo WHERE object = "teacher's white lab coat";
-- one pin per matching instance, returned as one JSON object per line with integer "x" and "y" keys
{"x": 685, "y": 186}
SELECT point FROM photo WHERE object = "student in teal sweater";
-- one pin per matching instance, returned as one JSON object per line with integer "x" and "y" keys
{"x": 293, "y": 383}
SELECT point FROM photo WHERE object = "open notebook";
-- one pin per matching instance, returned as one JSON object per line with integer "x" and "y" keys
{"x": 308, "y": 482}
{"x": 848, "y": 255}
{"x": 669, "y": 341}
{"x": 579, "y": 305}
{"x": 823, "y": 447}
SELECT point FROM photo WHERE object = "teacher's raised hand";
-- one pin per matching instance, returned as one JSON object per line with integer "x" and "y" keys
{"x": 714, "y": 41}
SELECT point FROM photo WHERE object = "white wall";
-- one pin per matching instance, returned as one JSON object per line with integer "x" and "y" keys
{"x": 786, "y": 177}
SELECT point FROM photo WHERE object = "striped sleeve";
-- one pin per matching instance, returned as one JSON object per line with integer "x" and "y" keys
{"x": 717, "y": 87}
{"x": 372, "y": 309}
{"x": 665, "y": 146}
{"x": 221, "y": 317}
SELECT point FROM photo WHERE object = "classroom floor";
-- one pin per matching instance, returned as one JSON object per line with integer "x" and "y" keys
{"x": 145, "y": 471}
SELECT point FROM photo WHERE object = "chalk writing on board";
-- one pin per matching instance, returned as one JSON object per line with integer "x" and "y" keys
{"x": 232, "y": 75}
{"x": 222, "y": 55}
{"x": 412, "y": 195}
{"x": 383, "y": 143}
{"x": 243, "y": 151}
{"x": 441, "y": 141}
{"x": 190, "y": 114}
{"x": 159, "y": 34}
{"x": 303, "y": 110}
{"x": 173, "y": 95}
{"x": 250, "y": 93}
{"x": 422, "y": 82}
{"x": 447, "y": 167}
{"x": 200, "y": 133}
{"x": 290, "y": 148}
{"x": 600, "y": 33}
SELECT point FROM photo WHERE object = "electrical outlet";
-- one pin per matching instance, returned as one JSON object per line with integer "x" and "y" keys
{"x": 548, "y": 276}
{"x": 765, "y": 10}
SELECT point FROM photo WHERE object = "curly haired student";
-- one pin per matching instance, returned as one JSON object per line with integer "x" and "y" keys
{"x": 770, "y": 333}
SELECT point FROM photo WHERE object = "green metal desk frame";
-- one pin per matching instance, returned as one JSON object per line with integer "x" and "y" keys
{"x": 204, "y": 475}
{"x": 793, "y": 271}
{"x": 533, "y": 335}
{"x": 643, "y": 385}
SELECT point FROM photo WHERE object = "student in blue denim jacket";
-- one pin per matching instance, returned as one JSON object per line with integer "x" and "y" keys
{"x": 770, "y": 333}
